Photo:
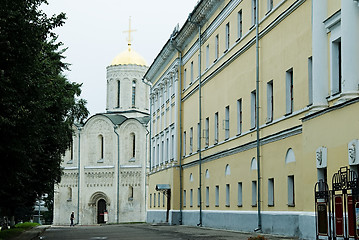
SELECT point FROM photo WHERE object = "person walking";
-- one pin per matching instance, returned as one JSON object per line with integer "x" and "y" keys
{"x": 72, "y": 219}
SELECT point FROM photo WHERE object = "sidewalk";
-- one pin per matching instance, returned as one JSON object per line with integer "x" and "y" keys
{"x": 33, "y": 233}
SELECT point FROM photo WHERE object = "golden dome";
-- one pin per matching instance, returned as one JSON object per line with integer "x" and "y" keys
{"x": 129, "y": 57}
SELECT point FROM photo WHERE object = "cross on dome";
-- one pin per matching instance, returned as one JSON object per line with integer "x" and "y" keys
{"x": 129, "y": 40}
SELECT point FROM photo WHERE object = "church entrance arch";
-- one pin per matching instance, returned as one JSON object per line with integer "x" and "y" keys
{"x": 101, "y": 209}
{"x": 100, "y": 203}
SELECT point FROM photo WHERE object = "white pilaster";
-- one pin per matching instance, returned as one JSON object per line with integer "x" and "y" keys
{"x": 320, "y": 55}
{"x": 350, "y": 49}
{"x": 176, "y": 90}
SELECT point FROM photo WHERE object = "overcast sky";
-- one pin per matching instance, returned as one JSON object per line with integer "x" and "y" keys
{"x": 93, "y": 33}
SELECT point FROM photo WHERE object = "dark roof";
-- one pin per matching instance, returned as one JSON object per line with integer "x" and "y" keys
{"x": 118, "y": 118}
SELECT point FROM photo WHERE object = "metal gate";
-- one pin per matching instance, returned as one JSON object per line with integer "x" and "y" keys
{"x": 337, "y": 210}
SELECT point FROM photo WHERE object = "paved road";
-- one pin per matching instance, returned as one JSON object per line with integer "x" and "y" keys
{"x": 143, "y": 232}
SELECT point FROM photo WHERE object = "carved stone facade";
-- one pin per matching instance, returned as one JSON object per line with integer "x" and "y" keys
{"x": 104, "y": 171}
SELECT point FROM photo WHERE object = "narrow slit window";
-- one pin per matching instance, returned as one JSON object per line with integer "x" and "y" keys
{"x": 239, "y": 201}
{"x": 228, "y": 197}
{"x": 289, "y": 91}
{"x": 226, "y": 123}
{"x": 254, "y": 193}
{"x": 239, "y": 116}
{"x": 118, "y": 94}
{"x": 253, "y": 109}
{"x": 217, "y": 196}
{"x": 240, "y": 24}
{"x": 216, "y": 128}
{"x": 133, "y": 93}
{"x": 207, "y": 132}
{"x": 271, "y": 192}
{"x": 227, "y": 36}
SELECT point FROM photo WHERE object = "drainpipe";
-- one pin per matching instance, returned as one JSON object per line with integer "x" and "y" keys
{"x": 259, "y": 227}
{"x": 180, "y": 123}
{"x": 78, "y": 175}
{"x": 148, "y": 133}
{"x": 118, "y": 173}
{"x": 200, "y": 119}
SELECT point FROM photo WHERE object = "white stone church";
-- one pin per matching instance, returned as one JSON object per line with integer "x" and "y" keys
{"x": 104, "y": 171}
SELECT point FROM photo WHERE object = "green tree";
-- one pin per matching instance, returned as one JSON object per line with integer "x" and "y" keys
{"x": 38, "y": 105}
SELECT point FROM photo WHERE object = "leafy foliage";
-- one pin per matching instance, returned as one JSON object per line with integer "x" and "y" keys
{"x": 38, "y": 105}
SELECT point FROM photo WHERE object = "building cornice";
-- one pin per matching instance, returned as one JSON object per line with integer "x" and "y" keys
{"x": 250, "y": 145}
{"x": 330, "y": 109}
{"x": 200, "y": 14}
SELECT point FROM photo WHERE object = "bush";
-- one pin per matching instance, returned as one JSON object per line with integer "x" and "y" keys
{"x": 26, "y": 225}
{"x": 19, "y": 228}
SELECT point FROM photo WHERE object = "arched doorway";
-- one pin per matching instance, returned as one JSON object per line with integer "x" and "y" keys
{"x": 101, "y": 208}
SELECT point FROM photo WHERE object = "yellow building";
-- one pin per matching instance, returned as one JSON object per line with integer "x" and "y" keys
{"x": 252, "y": 103}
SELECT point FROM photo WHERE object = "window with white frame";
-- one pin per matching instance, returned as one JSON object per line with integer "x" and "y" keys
{"x": 271, "y": 192}
{"x": 168, "y": 90}
{"x": 154, "y": 154}
{"x": 226, "y": 123}
{"x": 191, "y": 140}
{"x": 184, "y": 143}
{"x": 172, "y": 146}
{"x": 199, "y": 65}
{"x": 253, "y": 109}
{"x": 151, "y": 200}
{"x": 239, "y": 116}
{"x": 216, "y": 128}
{"x": 254, "y": 12}
{"x": 240, "y": 24}
{"x": 289, "y": 91}
{"x": 207, "y": 56}
{"x": 162, "y": 152}
{"x": 217, "y": 196}
{"x": 228, "y": 197}
{"x": 336, "y": 67}
{"x": 184, "y": 197}
{"x": 191, "y": 198}
{"x": 239, "y": 196}
{"x": 291, "y": 198}
{"x": 254, "y": 193}
{"x": 167, "y": 149}
{"x": 269, "y": 5}
{"x": 158, "y": 154}
{"x": 227, "y": 36}
{"x": 191, "y": 72}
{"x": 198, "y": 136}
{"x": 184, "y": 78}
{"x": 269, "y": 101}
{"x": 207, "y": 196}
{"x": 216, "y": 50}
{"x": 207, "y": 132}
{"x": 310, "y": 80}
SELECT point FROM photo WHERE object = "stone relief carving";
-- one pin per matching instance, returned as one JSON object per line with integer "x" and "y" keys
{"x": 353, "y": 152}
{"x": 321, "y": 157}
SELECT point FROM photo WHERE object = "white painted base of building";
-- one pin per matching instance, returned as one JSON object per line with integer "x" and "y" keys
{"x": 294, "y": 224}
